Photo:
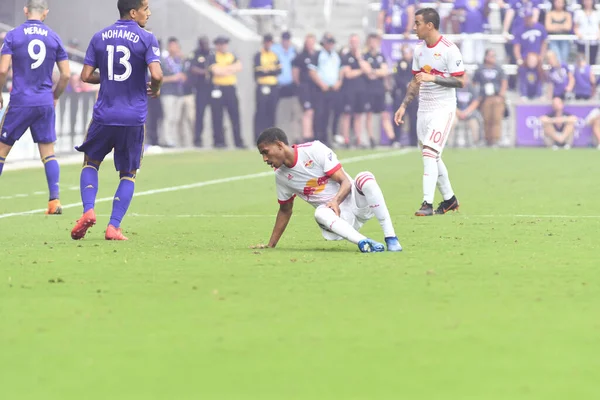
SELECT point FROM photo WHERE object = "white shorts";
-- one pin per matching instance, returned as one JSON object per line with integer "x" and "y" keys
{"x": 433, "y": 128}
{"x": 354, "y": 210}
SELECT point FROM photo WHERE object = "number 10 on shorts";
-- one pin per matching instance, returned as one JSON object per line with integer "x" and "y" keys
{"x": 436, "y": 137}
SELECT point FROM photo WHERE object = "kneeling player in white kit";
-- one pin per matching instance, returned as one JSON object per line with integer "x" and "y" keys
{"x": 438, "y": 70}
{"x": 313, "y": 172}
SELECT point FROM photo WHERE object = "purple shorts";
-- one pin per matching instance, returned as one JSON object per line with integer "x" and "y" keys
{"x": 16, "y": 120}
{"x": 127, "y": 141}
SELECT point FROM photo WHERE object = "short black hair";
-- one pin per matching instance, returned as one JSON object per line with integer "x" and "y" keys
{"x": 172, "y": 39}
{"x": 125, "y": 6}
{"x": 272, "y": 135}
{"x": 430, "y": 15}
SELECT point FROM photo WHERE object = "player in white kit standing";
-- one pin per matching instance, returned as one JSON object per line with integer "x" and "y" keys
{"x": 312, "y": 172}
{"x": 438, "y": 70}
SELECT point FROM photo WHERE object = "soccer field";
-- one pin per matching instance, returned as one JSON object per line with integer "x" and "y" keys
{"x": 498, "y": 301}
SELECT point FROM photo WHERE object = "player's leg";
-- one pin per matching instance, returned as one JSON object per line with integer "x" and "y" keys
{"x": 99, "y": 141}
{"x": 129, "y": 150}
{"x": 434, "y": 129}
{"x": 233, "y": 110}
{"x": 330, "y": 222}
{"x": 369, "y": 197}
{"x": 13, "y": 125}
{"x": 43, "y": 131}
{"x": 449, "y": 203}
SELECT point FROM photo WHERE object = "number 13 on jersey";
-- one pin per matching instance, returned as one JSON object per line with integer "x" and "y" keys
{"x": 124, "y": 61}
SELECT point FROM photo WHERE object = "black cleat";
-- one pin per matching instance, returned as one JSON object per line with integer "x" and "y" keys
{"x": 426, "y": 210}
{"x": 447, "y": 205}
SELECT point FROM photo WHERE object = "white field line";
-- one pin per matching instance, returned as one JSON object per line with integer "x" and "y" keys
{"x": 409, "y": 216}
{"x": 212, "y": 182}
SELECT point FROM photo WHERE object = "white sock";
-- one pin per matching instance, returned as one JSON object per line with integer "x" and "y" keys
{"x": 366, "y": 183}
{"x": 443, "y": 180}
{"x": 430, "y": 174}
{"x": 328, "y": 220}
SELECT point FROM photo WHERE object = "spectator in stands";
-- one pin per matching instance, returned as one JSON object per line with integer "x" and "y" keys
{"x": 172, "y": 93}
{"x": 473, "y": 17}
{"x": 325, "y": 72}
{"x": 558, "y": 126}
{"x": 288, "y": 113}
{"x": 514, "y": 21}
{"x": 585, "y": 81}
{"x": 266, "y": 70}
{"x": 559, "y": 22}
{"x": 531, "y": 38}
{"x": 187, "y": 122}
{"x": 225, "y": 5}
{"x": 224, "y": 66}
{"x": 354, "y": 69}
{"x": 396, "y": 17}
{"x": 402, "y": 77}
{"x": 593, "y": 120}
{"x": 376, "y": 89}
{"x": 199, "y": 77}
{"x": 560, "y": 75}
{"x": 155, "y": 115}
{"x": 587, "y": 25}
{"x": 305, "y": 85}
{"x": 468, "y": 119}
{"x": 531, "y": 77}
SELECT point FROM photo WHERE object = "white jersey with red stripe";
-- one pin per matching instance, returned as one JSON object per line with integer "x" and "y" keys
{"x": 309, "y": 177}
{"x": 442, "y": 59}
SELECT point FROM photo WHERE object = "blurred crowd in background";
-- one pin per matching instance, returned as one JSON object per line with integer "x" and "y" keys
{"x": 330, "y": 88}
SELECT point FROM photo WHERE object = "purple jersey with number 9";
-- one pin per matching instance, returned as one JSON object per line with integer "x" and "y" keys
{"x": 34, "y": 49}
{"x": 122, "y": 53}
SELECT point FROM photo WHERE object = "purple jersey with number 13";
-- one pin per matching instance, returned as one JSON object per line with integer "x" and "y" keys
{"x": 122, "y": 53}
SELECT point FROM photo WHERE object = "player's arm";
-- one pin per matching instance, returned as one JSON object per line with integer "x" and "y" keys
{"x": 412, "y": 91}
{"x": 382, "y": 72}
{"x": 450, "y": 81}
{"x": 65, "y": 74}
{"x": 281, "y": 222}
{"x": 4, "y": 67}
{"x": 89, "y": 75}
{"x": 156, "y": 79}
{"x": 345, "y": 188}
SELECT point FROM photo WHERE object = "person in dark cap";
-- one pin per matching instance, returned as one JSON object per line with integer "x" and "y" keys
{"x": 200, "y": 80}
{"x": 224, "y": 67}
{"x": 327, "y": 76}
{"x": 266, "y": 70}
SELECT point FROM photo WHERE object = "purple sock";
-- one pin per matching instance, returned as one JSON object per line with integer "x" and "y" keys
{"x": 2, "y": 159}
{"x": 122, "y": 199}
{"x": 52, "y": 176}
{"x": 88, "y": 184}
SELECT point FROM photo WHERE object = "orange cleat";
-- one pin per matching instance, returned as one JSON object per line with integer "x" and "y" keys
{"x": 84, "y": 223}
{"x": 54, "y": 207}
{"x": 113, "y": 233}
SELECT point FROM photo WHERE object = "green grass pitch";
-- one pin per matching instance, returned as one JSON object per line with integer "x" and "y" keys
{"x": 498, "y": 301}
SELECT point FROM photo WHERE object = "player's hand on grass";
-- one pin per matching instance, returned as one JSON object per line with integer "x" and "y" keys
{"x": 334, "y": 206}
{"x": 261, "y": 246}
{"x": 399, "y": 115}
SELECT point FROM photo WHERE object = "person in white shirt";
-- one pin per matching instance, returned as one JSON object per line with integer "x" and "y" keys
{"x": 312, "y": 172}
{"x": 438, "y": 71}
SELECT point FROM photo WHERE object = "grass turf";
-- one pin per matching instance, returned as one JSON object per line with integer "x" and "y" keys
{"x": 499, "y": 301}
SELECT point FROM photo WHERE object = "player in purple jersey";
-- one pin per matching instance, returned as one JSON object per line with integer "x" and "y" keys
{"x": 33, "y": 49}
{"x": 122, "y": 52}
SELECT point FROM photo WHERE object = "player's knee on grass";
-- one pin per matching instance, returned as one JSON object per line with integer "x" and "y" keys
{"x": 325, "y": 216}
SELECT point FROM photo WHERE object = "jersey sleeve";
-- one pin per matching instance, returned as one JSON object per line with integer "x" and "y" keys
{"x": 314, "y": 62}
{"x": 416, "y": 68}
{"x": 285, "y": 195}
{"x": 153, "y": 51}
{"x": 7, "y": 45}
{"x": 326, "y": 158}
{"x": 455, "y": 62}
{"x": 90, "y": 55}
{"x": 61, "y": 53}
